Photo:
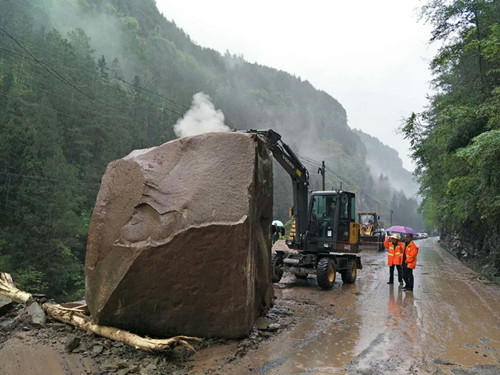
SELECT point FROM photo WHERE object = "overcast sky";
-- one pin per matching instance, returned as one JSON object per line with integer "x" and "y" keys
{"x": 372, "y": 56}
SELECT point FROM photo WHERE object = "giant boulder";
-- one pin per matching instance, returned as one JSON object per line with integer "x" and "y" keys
{"x": 179, "y": 241}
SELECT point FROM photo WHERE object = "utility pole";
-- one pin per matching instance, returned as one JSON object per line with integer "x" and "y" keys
{"x": 391, "y": 216}
{"x": 321, "y": 171}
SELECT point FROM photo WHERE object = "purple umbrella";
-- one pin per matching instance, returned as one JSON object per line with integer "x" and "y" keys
{"x": 401, "y": 229}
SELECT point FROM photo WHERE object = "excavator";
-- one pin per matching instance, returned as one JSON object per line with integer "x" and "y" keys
{"x": 372, "y": 236}
{"x": 326, "y": 237}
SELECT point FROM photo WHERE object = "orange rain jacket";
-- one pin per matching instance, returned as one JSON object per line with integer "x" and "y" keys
{"x": 411, "y": 251}
{"x": 394, "y": 253}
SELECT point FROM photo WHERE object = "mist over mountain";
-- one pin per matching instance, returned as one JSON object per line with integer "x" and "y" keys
{"x": 384, "y": 161}
{"x": 83, "y": 83}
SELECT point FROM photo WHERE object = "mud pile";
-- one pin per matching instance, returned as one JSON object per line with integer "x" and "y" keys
{"x": 27, "y": 347}
{"x": 179, "y": 241}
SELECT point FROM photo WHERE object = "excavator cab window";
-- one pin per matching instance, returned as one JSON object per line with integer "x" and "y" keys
{"x": 346, "y": 216}
{"x": 322, "y": 215}
{"x": 344, "y": 207}
{"x": 323, "y": 207}
{"x": 366, "y": 219}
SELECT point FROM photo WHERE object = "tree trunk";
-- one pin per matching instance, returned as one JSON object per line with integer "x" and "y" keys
{"x": 74, "y": 314}
{"x": 9, "y": 289}
{"x": 77, "y": 319}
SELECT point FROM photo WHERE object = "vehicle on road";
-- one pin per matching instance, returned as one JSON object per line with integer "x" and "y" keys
{"x": 326, "y": 234}
{"x": 421, "y": 236}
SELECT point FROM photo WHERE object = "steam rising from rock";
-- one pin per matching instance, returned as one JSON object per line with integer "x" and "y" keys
{"x": 202, "y": 117}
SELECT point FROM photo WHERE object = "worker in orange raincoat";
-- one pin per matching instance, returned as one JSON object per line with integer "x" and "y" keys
{"x": 395, "y": 249}
{"x": 409, "y": 262}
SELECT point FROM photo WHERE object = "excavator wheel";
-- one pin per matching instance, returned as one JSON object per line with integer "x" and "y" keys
{"x": 349, "y": 274}
{"x": 326, "y": 273}
{"x": 276, "y": 267}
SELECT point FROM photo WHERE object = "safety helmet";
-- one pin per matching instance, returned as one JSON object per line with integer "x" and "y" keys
{"x": 395, "y": 235}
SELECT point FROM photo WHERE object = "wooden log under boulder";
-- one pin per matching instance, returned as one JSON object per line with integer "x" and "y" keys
{"x": 75, "y": 313}
{"x": 179, "y": 241}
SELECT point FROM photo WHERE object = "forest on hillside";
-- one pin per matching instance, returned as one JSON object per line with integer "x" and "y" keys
{"x": 456, "y": 142}
{"x": 84, "y": 82}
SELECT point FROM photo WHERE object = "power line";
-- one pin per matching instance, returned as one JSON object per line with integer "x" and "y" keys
{"x": 305, "y": 160}
{"x": 182, "y": 107}
{"x": 114, "y": 77}
{"x": 310, "y": 160}
{"x": 137, "y": 87}
{"x": 60, "y": 112}
{"x": 120, "y": 109}
{"x": 56, "y": 74}
{"x": 63, "y": 95}
{"x": 64, "y": 80}
{"x": 315, "y": 163}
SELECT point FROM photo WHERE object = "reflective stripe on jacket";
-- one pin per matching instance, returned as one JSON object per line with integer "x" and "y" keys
{"x": 411, "y": 251}
{"x": 394, "y": 253}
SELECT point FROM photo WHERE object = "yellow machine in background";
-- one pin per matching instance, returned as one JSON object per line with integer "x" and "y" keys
{"x": 372, "y": 236}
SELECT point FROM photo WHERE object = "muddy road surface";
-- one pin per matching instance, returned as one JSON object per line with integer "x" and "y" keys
{"x": 449, "y": 324}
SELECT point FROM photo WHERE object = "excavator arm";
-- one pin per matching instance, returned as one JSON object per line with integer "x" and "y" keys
{"x": 322, "y": 252}
{"x": 298, "y": 173}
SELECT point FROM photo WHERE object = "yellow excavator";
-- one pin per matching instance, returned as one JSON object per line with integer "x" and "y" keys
{"x": 325, "y": 232}
{"x": 372, "y": 236}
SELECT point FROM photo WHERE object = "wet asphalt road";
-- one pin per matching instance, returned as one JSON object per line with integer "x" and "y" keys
{"x": 450, "y": 324}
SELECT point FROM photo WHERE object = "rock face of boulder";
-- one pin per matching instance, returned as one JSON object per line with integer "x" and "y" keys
{"x": 6, "y": 304}
{"x": 179, "y": 241}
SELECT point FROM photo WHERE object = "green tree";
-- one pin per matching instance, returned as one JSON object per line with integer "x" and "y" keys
{"x": 455, "y": 142}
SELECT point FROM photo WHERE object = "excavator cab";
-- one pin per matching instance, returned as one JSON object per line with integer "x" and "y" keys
{"x": 332, "y": 222}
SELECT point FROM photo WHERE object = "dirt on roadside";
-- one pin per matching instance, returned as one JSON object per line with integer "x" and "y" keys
{"x": 57, "y": 348}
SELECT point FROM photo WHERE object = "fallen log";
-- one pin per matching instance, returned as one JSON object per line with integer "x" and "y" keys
{"x": 75, "y": 316}
{"x": 77, "y": 319}
{"x": 9, "y": 289}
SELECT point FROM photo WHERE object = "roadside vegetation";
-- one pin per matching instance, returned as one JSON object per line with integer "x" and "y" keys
{"x": 456, "y": 142}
